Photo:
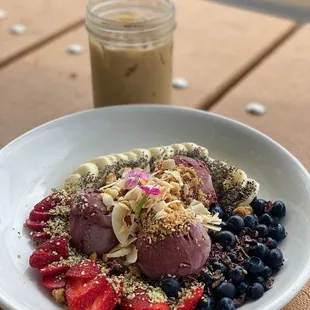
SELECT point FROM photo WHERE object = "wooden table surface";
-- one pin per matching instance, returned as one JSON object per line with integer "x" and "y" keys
{"x": 229, "y": 56}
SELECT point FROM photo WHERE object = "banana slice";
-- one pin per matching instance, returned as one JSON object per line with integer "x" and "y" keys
{"x": 156, "y": 152}
{"x": 145, "y": 153}
{"x": 101, "y": 162}
{"x": 88, "y": 168}
{"x": 131, "y": 156}
{"x": 72, "y": 179}
{"x": 179, "y": 147}
{"x": 253, "y": 187}
{"x": 240, "y": 178}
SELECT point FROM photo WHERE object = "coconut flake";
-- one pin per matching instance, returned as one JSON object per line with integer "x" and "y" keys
{"x": 132, "y": 257}
{"x": 161, "y": 214}
{"x": 159, "y": 206}
{"x": 120, "y": 253}
{"x": 119, "y": 225}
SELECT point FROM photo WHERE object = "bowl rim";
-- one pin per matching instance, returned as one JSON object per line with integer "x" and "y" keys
{"x": 304, "y": 276}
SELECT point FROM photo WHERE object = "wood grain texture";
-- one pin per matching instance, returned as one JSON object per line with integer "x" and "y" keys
{"x": 282, "y": 84}
{"x": 213, "y": 43}
{"x": 42, "y": 18}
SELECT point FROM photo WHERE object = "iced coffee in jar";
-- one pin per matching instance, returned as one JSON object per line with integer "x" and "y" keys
{"x": 131, "y": 49}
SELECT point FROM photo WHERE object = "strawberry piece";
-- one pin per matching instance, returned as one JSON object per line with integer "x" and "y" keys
{"x": 50, "y": 251}
{"x": 48, "y": 203}
{"x": 108, "y": 299}
{"x": 57, "y": 246}
{"x": 54, "y": 270}
{"x": 36, "y": 226}
{"x": 51, "y": 202}
{"x": 38, "y": 216}
{"x": 87, "y": 269}
{"x": 81, "y": 294}
{"x": 190, "y": 299}
{"x": 53, "y": 282}
{"x": 39, "y": 259}
{"x": 141, "y": 301}
{"x": 40, "y": 235}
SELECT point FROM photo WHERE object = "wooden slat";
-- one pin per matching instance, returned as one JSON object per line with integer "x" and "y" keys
{"x": 282, "y": 84}
{"x": 43, "y": 19}
{"x": 213, "y": 44}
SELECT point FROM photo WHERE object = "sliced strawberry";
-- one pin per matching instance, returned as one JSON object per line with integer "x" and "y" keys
{"x": 39, "y": 216}
{"x": 36, "y": 226}
{"x": 53, "y": 282}
{"x": 49, "y": 251}
{"x": 39, "y": 259}
{"x": 108, "y": 299}
{"x": 141, "y": 301}
{"x": 48, "y": 203}
{"x": 87, "y": 269}
{"x": 81, "y": 293}
{"x": 190, "y": 299}
{"x": 59, "y": 246}
{"x": 54, "y": 270}
{"x": 40, "y": 235}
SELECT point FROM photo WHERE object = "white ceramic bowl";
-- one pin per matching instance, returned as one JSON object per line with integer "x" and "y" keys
{"x": 39, "y": 160}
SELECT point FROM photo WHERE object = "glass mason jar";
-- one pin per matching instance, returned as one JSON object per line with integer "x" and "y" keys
{"x": 131, "y": 47}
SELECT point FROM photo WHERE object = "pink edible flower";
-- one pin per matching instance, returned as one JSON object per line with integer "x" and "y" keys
{"x": 150, "y": 191}
{"x": 133, "y": 178}
{"x": 138, "y": 174}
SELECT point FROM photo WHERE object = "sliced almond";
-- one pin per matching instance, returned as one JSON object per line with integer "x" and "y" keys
{"x": 112, "y": 192}
{"x": 107, "y": 199}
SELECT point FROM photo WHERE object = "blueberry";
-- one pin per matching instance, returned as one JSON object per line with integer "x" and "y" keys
{"x": 258, "y": 206}
{"x": 242, "y": 288}
{"x": 278, "y": 209}
{"x": 235, "y": 224}
{"x": 263, "y": 230}
{"x": 223, "y": 225}
{"x": 237, "y": 275}
{"x": 206, "y": 303}
{"x": 254, "y": 265}
{"x": 233, "y": 257}
{"x": 226, "y": 239}
{"x": 250, "y": 221}
{"x": 171, "y": 286}
{"x": 220, "y": 266}
{"x": 267, "y": 272}
{"x": 275, "y": 259}
{"x": 277, "y": 232}
{"x": 271, "y": 243}
{"x": 217, "y": 209}
{"x": 225, "y": 289}
{"x": 226, "y": 304}
{"x": 259, "y": 250}
{"x": 266, "y": 219}
{"x": 206, "y": 279}
{"x": 256, "y": 291}
{"x": 261, "y": 281}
